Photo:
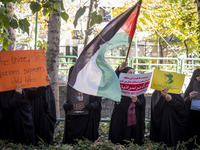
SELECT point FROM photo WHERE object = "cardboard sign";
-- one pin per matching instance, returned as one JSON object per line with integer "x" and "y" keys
{"x": 22, "y": 67}
{"x": 134, "y": 84}
{"x": 170, "y": 80}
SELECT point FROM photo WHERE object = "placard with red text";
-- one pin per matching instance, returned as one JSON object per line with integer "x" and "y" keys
{"x": 134, "y": 84}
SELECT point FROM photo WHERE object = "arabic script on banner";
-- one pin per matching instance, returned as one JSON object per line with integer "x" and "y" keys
{"x": 134, "y": 84}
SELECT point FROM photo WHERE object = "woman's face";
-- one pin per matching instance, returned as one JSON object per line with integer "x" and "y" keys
{"x": 198, "y": 77}
{"x": 131, "y": 71}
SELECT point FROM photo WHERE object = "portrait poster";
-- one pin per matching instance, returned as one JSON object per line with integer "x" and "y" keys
{"x": 78, "y": 100}
{"x": 170, "y": 80}
{"x": 26, "y": 68}
{"x": 134, "y": 84}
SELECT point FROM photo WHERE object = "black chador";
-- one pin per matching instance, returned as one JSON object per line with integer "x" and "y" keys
{"x": 44, "y": 112}
{"x": 16, "y": 122}
{"x": 82, "y": 115}
{"x": 119, "y": 128}
{"x": 168, "y": 119}
{"x": 193, "y": 127}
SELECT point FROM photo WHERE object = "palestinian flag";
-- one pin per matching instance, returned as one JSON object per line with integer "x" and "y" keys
{"x": 92, "y": 74}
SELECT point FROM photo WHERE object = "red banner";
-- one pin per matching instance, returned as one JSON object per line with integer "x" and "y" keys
{"x": 22, "y": 67}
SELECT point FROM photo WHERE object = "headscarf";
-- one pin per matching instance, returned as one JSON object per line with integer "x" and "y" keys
{"x": 125, "y": 70}
{"x": 191, "y": 84}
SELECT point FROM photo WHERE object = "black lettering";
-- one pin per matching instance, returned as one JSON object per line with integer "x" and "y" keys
{"x": 29, "y": 79}
{"x": 9, "y": 73}
{"x": 19, "y": 59}
{"x": 17, "y": 80}
{"x": 34, "y": 70}
{"x": 3, "y": 62}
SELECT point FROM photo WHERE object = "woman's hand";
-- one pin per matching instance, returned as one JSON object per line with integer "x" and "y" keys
{"x": 192, "y": 94}
{"x": 48, "y": 78}
{"x": 166, "y": 95}
{"x": 134, "y": 98}
{"x": 122, "y": 66}
{"x": 19, "y": 89}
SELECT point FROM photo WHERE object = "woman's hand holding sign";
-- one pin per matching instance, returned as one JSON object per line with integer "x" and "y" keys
{"x": 165, "y": 95}
{"x": 19, "y": 89}
{"x": 134, "y": 98}
{"x": 192, "y": 94}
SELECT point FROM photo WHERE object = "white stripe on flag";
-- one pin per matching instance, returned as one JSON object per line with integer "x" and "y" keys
{"x": 88, "y": 79}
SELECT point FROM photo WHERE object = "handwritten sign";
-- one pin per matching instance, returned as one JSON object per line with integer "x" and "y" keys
{"x": 22, "y": 67}
{"x": 170, "y": 80}
{"x": 134, "y": 84}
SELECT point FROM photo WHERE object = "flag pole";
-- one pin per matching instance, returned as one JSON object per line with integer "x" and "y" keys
{"x": 129, "y": 47}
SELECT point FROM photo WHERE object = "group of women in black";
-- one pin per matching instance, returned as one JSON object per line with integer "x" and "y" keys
{"x": 28, "y": 115}
{"x": 173, "y": 118}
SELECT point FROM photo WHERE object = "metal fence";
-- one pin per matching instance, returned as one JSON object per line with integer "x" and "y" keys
{"x": 142, "y": 64}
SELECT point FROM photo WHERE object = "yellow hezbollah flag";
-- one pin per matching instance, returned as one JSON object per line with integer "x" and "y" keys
{"x": 170, "y": 80}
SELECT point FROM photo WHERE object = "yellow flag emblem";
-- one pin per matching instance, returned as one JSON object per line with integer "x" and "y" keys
{"x": 170, "y": 80}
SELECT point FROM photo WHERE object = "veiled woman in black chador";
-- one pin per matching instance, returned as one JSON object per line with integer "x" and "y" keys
{"x": 192, "y": 100}
{"x": 43, "y": 110}
{"x": 81, "y": 119}
{"x": 127, "y": 120}
{"x": 16, "y": 122}
{"x": 168, "y": 118}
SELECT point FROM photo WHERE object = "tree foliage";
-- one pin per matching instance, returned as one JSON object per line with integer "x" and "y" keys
{"x": 176, "y": 21}
{"x": 8, "y": 20}
{"x": 95, "y": 17}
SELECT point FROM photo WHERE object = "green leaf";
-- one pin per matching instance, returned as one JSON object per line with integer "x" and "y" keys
{"x": 50, "y": 10}
{"x": 61, "y": 5}
{"x": 47, "y": 5}
{"x": 5, "y": 43}
{"x": 42, "y": 44}
{"x": 45, "y": 11}
{"x": 13, "y": 23}
{"x": 95, "y": 19}
{"x": 35, "y": 7}
{"x": 14, "y": 16}
{"x": 24, "y": 25}
{"x": 6, "y": 1}
{"x": 79, "y": 13}
{"x": 6, "y": 21}
{"x": 56, "y": 6}
{"x": 64, "y": 16}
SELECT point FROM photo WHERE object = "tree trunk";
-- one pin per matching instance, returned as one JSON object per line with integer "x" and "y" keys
{"x": 161, "y": 50}
{"x": 11, "y": 31}
{"x": 88, "y": 30}
{"x": 52, "y": 54}
{"x": 186, "y": 47}
{"x": 198, "y": 10}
